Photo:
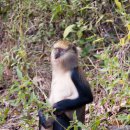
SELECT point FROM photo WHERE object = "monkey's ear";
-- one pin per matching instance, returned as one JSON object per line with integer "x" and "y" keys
{"x": 79, "y": 50}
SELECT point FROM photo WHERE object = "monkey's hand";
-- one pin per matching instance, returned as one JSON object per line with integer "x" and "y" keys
{"x": 58, "y": 109}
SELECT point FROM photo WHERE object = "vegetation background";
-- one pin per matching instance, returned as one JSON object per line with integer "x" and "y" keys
{"x": 28, "y": 29}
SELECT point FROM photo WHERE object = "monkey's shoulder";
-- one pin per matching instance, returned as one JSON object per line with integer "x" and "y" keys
{"x": 79, "y": 79}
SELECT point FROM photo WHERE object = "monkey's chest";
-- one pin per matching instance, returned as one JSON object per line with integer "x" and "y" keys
{"x": 62, "y": 88}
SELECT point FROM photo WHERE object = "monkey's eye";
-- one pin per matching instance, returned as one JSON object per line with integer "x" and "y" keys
{"x": 59, "y": 52}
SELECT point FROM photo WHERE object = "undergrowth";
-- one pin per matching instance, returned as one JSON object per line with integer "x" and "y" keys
{"x": 28, "y": 30}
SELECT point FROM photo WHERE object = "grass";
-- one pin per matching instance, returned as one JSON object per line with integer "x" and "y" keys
{"x": 28, "y": 30}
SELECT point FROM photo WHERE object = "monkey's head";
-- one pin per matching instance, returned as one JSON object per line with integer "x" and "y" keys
{"x": 65, "y": 55}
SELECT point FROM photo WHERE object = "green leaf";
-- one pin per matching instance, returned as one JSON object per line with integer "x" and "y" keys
{"x": 6, "y": 112}
{"x": 118, "y": 4}
{"x": 56, "y": 11}
{"x": 1, "y": 70}
{"x": 14, "y": 103}
{"x": 68, "y": 30}
{"x": 19, "y": 73}
{"x": 96, "y": 124}
{"x": 74, "y": 116}
{"x": 81, "y": 125}
{"x": 128, "y": 26}
{"x": 98, "y": 40}
{"x": 75, "y": 127}
{"x": 101, "y": 17}
{"x": 79, "y": 34}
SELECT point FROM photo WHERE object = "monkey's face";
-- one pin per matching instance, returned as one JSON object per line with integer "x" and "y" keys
{"x": 59, "y": 52}
{"x": 63, "y": 53}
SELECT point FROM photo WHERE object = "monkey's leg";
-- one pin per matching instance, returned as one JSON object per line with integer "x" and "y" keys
{"x": 43, "y": 123}
{"x": 62, "y": 122}
{"x": 42, "y": 128}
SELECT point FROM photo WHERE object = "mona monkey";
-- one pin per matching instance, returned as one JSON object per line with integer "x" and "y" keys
{"x": 69, "y": 89}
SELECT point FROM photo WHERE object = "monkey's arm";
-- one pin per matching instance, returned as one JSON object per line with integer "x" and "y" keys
{"x": 84, "y": 91}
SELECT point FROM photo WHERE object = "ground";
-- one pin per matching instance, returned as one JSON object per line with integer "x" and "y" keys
{"x": 28, "y": 29}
